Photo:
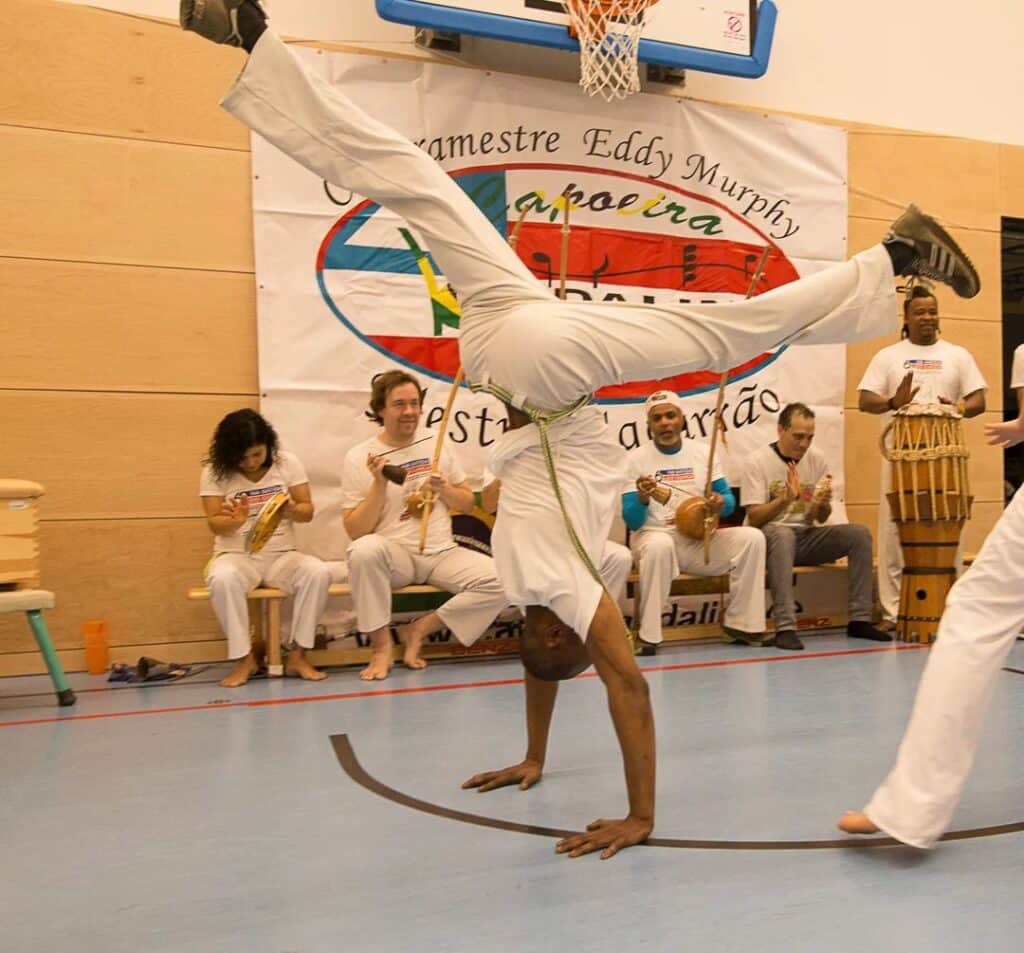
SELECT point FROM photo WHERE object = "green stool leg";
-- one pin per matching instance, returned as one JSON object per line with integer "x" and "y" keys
{"x": 64, "y": 694}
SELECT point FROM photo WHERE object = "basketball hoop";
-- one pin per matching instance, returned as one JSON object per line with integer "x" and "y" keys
{"x": 609, "y": 36}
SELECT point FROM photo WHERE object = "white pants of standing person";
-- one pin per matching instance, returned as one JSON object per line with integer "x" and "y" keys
{"x": 231, "y": 575}
{"x": 377, "y": 565}
{"x": 616, "y": 565}
{"x": 546, "y": 352}
{"x": 890, "y": 554}
{"x": 738, "y": 552}
{"x": 984, "y": 613}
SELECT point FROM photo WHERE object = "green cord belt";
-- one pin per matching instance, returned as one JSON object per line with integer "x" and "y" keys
{"x": 543, "y": 419}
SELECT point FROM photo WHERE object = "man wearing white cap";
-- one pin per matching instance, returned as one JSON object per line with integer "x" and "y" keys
{"x": 666, "y": 473}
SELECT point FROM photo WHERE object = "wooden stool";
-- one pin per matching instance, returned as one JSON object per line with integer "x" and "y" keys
{"x": 19, "y": 571}
{"x": 32, "y": 602}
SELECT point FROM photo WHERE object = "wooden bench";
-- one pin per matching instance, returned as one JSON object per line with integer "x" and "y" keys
{"x": 265, "y": 613}
{"x": 687, "y": 584}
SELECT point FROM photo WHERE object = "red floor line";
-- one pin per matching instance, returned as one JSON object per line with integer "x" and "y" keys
{"x": 447, "y": 687}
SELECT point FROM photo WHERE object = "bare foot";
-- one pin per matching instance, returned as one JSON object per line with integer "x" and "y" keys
{"x": 298, "y": 667}
{"x": 243, "y": 669}
{"x": 411, "y": 637}
{"x": 379, "y": 667}
{"x": 856, "y": 822}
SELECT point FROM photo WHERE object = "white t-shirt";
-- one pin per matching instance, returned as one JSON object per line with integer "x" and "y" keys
{"x": 1017, "y": 372}
{"x": 685, "y": 471}
{"x": 766, "y": 474}
{"x": 395, "y": 522}
{"x": 285, "y": 472}
{"x": 940, "y": 370}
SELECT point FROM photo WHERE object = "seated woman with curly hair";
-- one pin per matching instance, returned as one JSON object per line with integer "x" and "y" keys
{"x": 243, "y": 471}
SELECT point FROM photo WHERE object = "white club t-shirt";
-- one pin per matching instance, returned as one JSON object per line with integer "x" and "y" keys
{"x": 766, "y": 475}
{"x": 685, "y": 472}
{"x": 284, "y": 472}
{"x": 941, "y": 370}
{"x": 1017, "y": 372}
{"x": 395, "y": 522}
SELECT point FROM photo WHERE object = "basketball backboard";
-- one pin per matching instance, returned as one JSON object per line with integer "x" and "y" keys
{"x": 732, "y": 37}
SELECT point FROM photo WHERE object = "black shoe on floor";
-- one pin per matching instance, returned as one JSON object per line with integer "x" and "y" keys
{"x": 738, "y": 637}
{"x": 787, "y": 639}
{"x": 645, "y": 648}
{"x": 865, "y": 630}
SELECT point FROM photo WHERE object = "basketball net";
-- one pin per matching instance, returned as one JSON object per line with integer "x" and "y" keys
{"x": 609, "y": 36}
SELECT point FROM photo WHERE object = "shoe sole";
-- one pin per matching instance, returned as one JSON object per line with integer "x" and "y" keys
{"x": 937, "y": 235}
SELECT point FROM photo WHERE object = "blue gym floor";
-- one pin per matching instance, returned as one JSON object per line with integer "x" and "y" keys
{"x": 291, "y": 817}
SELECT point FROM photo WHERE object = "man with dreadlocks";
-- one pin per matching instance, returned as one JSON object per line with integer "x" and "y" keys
{"x": 561, "y": 472}
{"x": 923, "y": 368}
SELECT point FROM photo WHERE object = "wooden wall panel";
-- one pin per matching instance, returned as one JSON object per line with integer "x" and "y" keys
{"x": 982, "y": 338}
{"x": 111, "y": 455}
{"x": 112, "y": 74}
{"x": 1011, "y": 181}
{"x": 112, "y": 327}
{"x": 957, "y": 179}
{"x": 133, "y": 573}
{"x": 119, "y": 200}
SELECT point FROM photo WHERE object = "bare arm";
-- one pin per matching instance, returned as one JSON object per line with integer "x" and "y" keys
{"x": 974, "y": 403}
{"x": 759, "y": 514}
{"x": 871, "y": 403}
{"x": 362, "y": 519}
{"x": 630, "y": 705}
{"x": 540, "y": 703}
{"x": 456, "y": 496}
{"x": 300, "y": 508}
{"x": 224, "y": 516}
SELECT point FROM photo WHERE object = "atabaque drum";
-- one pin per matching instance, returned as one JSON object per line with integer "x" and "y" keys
{"x": 930, "y": 500}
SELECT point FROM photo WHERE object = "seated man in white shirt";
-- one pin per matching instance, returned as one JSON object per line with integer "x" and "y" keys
{"x": 385, "y": 552}
{"x": 665, "y": 468}
{"x": 787, "y": 491}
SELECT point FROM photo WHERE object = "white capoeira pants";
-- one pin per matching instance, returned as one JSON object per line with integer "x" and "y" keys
{"x": 231, "y": 575}
{"x": 615, "y": 567}
{"x": 738, "y": 552}
{"x": 377, "y": 565}
{"x": 984, "y": 613}
{"x": 890, "y": 554}
{"x": 513, "y": 333}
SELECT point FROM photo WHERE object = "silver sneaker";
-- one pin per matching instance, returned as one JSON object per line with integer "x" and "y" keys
{"x": 217, "y": 20}
{"x": 938, "y": 255}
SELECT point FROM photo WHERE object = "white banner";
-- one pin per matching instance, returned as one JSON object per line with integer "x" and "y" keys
{"x": 671, "y": 201}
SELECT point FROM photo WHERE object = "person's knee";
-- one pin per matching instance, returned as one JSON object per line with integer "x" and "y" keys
{"x": 859, "y": 541}
{"x": 225, "y": 578}
{"x": 658, "y": 550}
{"x": 365, "y": 551}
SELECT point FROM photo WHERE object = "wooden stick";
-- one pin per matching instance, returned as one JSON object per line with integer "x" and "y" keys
{"x": 513, "y": 239}
{"x": 428, "y": 497}
{"x": 719, "y": 423}
{"x": 563, "y": 265}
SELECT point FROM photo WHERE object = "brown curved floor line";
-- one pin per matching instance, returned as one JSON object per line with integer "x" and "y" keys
{"x": 347, "y": 758}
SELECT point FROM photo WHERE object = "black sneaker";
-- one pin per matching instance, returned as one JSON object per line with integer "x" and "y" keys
{"x": 938, "y": 255}
{"x": 645, "y": 648}
{"x": 739, "y": 637}
{"x": 216, "y": 20}
{"x": 865, "y": 630}
{"x": 787, "y": 639}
